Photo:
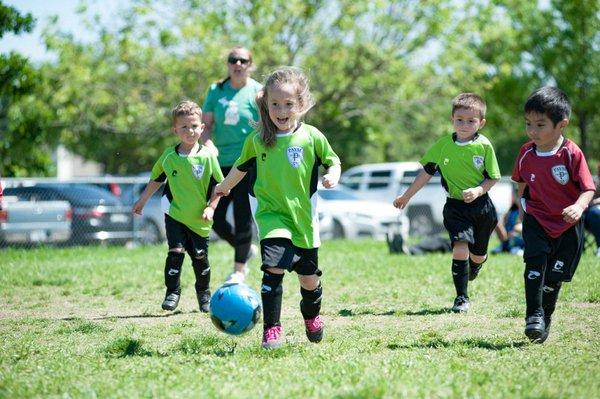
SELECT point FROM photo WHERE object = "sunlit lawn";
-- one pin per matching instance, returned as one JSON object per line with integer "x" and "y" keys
{"x": 86, "y": 322}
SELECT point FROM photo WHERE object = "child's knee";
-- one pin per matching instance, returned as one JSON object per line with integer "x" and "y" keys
{"x": 460, "y": 250}
{"x": 479, "y": 259}
{"x": 310, "y": 282}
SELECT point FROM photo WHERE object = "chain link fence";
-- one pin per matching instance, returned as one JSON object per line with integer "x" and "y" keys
{"x": 93, "y": 211}
{"x": 86, "y": 211}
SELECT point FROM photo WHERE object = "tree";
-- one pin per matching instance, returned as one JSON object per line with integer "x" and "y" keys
{"x": 529, "y": 46}
{"x": 25, "y": 145}
{"x": 122, "y": 86}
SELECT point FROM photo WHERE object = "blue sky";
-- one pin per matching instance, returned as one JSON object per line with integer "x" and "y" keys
{"x": 31, "y": 44}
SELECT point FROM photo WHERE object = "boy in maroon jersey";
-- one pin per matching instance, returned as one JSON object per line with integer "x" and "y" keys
{"x": 555, "y": 187}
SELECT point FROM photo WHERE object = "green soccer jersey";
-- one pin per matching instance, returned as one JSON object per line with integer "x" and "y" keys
{"x": 190, "y": 179}
{"x": 462, "y": 165}
{"x": 286, "y": 183}
{"x": 234, "y": 111}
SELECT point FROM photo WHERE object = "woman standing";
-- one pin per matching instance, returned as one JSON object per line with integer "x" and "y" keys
{"x": 228, "y": 113}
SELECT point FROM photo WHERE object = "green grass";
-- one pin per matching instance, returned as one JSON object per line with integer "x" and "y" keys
{"x": 86, "y": 322}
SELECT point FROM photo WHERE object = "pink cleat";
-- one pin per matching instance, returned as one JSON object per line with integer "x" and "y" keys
{"x": 314, "y": 329}
{"x": 272, "y": 337}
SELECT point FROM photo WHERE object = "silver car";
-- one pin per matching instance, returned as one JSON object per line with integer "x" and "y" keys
{"x": 343, "y": 215}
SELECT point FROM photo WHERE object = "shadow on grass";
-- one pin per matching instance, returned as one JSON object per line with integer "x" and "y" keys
{"x": 350, "y": 313}
{"x": 206, "y": 345}
{"x": 129, "y": 347}
{"x": 133, "y": 316}
{"x": 428, "y": 312}
{"x": 436, "y": 342}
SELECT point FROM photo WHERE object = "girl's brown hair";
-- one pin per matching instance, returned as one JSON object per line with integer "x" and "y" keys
{"x": 284, "y": 75}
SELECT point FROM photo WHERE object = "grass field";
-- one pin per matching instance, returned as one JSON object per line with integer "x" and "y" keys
{"x": 86, "y": 322}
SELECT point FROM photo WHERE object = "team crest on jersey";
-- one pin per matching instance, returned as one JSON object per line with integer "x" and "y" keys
{"x": 198, "y": 171}
{"x": 295, "y": 156}
{"x": 560, "y": 174}
{"x": 478, "y": 161}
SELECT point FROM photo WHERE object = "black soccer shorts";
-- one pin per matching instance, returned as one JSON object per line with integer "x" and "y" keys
{"x": 283, "y": 254}
{"x": 471, "y": 222}
{"x": 560, "y": 255}
{"x": 181, "y": 236}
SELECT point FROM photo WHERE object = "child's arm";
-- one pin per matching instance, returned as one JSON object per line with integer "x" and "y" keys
{"x": 206, "y": 137}
{"x": 520, "y": 191}
{"x": 331, "y": 178}
{"x": 572, "y": 213}
{"x": 150, "y": 189}
{"x": 209, "y": 211}
{"x": 422, "y": 179}
{"x": 224, "y": 188}
{"x": 471, "y": 194}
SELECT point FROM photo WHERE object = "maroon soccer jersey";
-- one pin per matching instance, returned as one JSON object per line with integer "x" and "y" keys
{"x": 555, "y": 180}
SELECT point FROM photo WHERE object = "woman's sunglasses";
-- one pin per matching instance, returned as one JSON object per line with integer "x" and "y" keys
{"x": 234, "y": 60}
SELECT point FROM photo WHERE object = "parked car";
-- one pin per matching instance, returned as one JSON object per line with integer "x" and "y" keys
{"x": 385, "y": 181}
{"x": 150, "y": 226}
{"x": 343, "y": 215}
{"x": 98, "y": 216}
{"x": 34, "y": 222}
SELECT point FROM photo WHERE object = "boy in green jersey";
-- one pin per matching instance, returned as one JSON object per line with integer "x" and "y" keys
{"x": 286, "y": 154}
{"x": 191, "y": 171}
{"x": 467, "y": 164}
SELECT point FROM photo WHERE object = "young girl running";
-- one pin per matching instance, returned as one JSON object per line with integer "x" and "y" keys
{"x": 286, "y": 154}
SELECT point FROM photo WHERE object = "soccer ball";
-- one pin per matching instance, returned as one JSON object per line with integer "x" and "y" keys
{"x": 235, "y": 308}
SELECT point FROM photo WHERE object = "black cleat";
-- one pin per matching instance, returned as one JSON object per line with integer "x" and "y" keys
{"x": 544, "y": 336}
{"x": 204, "y": 300}
{"x": 535, "y": 329}
{"x": 171, "y": 301}
{"x": 461, "y": 304}
{"x": 474, "y": 271}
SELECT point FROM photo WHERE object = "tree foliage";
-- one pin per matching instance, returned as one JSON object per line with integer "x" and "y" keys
{"x": 383, "y": 71}
{"x": 27, "y": 139}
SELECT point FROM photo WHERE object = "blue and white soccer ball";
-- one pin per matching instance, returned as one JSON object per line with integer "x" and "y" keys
{"x": 235, "y": 308}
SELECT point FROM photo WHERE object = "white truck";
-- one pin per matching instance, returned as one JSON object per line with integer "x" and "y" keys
{"x": 34, "y": 222}
{"x": 385, "y": 181}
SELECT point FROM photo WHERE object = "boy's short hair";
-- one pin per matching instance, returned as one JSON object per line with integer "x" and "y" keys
{"x": 186, "y": 108}
{"x": 469, "y": 101}
{"x": 550, "y": 101}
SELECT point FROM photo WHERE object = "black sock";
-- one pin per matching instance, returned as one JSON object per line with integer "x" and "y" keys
{"x": 460, "y": 275}
{"x": 310, "y": 305}
{"x": 549, "y": 298}
{"x": 534, "y": 281}
{"x": 271, "y": 294}
{"x": 173, "y": 271}
{"x": 202, "y": 272}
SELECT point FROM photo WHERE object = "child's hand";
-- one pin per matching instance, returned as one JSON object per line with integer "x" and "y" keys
{"x": 471, "y": 194}
{"x": 220, "y": 191}
{"x": 330, "y": 181}
{"x": 212, "y": 148}
{"x": 572, "y": 214}
{"x": 401, "y": 202}
{"x": 208, "y": 214}
{"x": 137, "y": 208}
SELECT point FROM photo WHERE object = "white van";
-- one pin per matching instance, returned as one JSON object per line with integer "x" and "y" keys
{"x": 385, "y": 181}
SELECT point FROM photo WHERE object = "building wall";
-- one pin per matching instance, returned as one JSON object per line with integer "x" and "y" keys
{"x": 71, "y": 165}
